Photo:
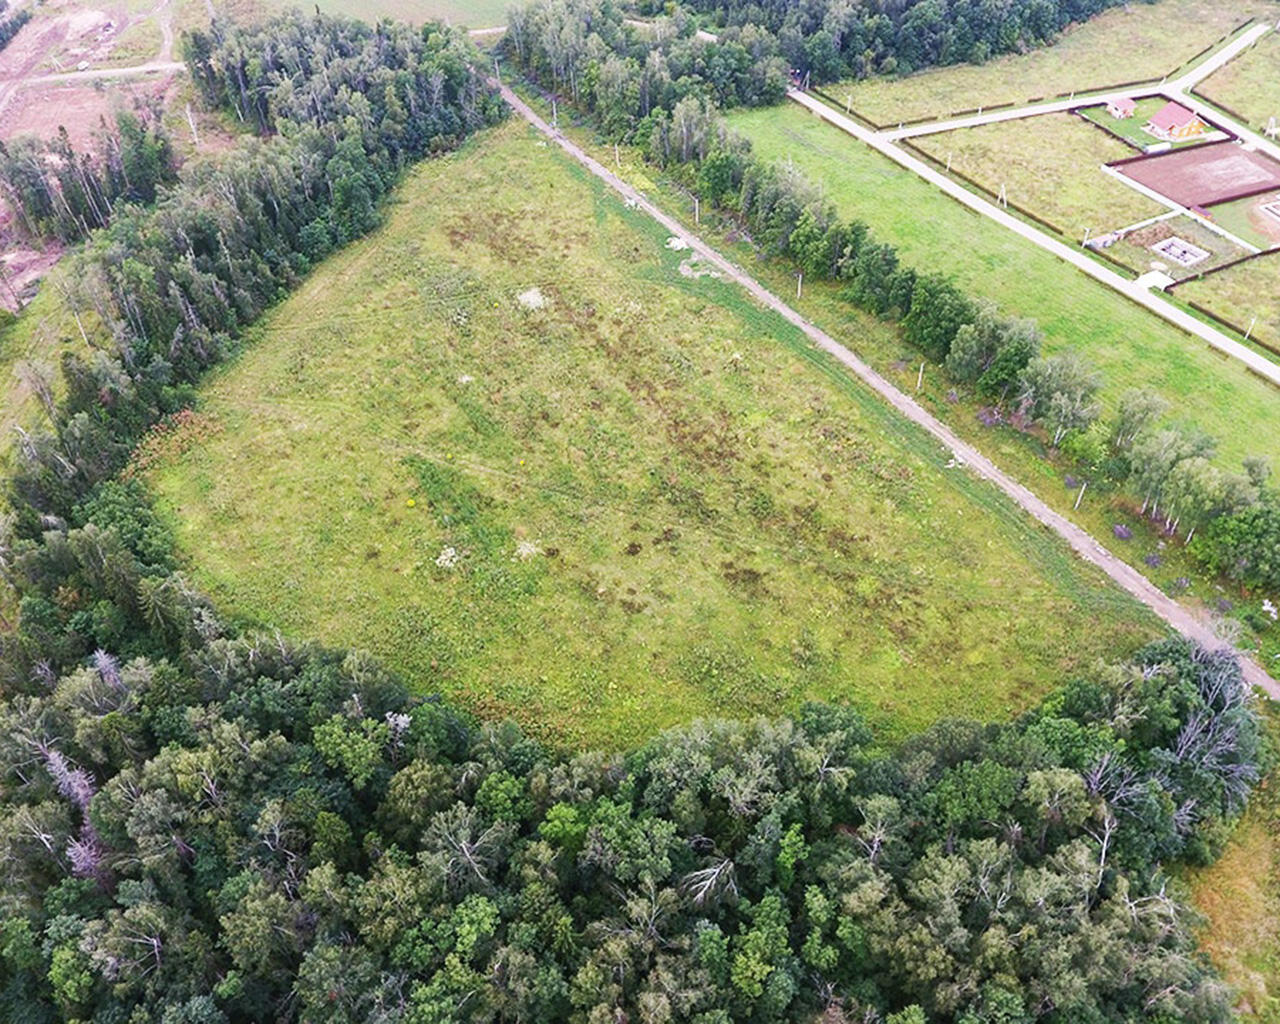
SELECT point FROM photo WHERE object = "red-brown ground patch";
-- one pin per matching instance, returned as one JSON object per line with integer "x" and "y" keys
{"x": 1205, "y": 175}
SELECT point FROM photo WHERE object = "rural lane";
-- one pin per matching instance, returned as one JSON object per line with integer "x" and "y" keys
{"x": 1179, "y": 618}
{"x": 1139, "y": 293}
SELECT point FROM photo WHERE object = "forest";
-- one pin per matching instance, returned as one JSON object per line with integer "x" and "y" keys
{"x": 200, "y": 824}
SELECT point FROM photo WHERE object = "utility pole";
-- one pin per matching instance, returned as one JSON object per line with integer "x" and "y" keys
{"x": 555, "y": 117}
{"x": 1080, "y": 496}
{"x": 920, "y": 378}
{"x": 799, "y": 283}
{"x": 697, "y": 211}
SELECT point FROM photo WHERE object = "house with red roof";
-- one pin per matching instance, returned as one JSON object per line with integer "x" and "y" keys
{"x": 1175, "y": 123}
{"x": 1121, "y": 108}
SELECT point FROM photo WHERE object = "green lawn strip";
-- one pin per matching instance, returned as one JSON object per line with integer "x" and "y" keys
{"x": 1138, "y": 42}
{"x": 1128, "y": 344}
{"x": 1234, "y": 216}
{"x": 736, "y": 525}
{"x": 1242, "y": 293}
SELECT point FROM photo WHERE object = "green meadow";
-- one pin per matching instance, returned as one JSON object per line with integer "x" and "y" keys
{"x": 527, "y": 453}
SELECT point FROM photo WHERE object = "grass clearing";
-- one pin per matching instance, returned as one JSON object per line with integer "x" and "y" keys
{"x": 1240, "y": 293}
{"x": 1140, "y": 41}
{"x": 1050, "y": 165}
{"x": 1129, "y": 345}
{"x": 1239, "y": 897}
{"x": 1246, "y": 219}
{"x": 646, "y": 501}
{"x": 1249, "y": 85}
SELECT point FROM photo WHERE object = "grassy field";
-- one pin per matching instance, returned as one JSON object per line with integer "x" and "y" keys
{"x": 1245, "y": 220}
{"x": 1138, "y": 41}
{"x": 1130, "y": 129}
{"x": 1249, "y": 85}
{"x": 1049, "y": 165}
{"x": 646, "y": 501}
{"x": 1239, "y": 897}
{"x": 1130, "y": 346}
{"x": 1241, "y": 293}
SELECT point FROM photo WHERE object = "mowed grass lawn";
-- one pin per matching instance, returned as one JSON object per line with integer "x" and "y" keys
{"x": 1137, "y": 41}
{"x": 1050, "y": 165}
{"x": 1242, "y": 292}
{"x": 644, "y": 502}
{"x": 1250, "y": 84}
{"x": 932, "y": 231}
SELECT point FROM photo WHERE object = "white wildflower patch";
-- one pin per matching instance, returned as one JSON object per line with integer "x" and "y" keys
{"x": 677, "y": 244}
{"x": 465, "y": 378}
{"x": 532, "y": 299}
{"x": 1270, "y": 609}
{"x": 527, "y": 549}
{"x": 448, "y": 558}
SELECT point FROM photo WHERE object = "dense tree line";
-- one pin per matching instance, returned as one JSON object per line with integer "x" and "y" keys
{"x": 11, "y": 22}
{"x": 834, "y": 39}
{"x": 172, "y": 285}
{"x": 58, "y": 192}
{"x": 632, "y": 75}
{"x": 200, "y": 827}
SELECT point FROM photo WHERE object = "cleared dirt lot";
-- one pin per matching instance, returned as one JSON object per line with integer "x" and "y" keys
{"x": 1205, "y": 175}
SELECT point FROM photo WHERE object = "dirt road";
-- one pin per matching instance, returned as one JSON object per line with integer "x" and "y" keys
{"x": 1132, "y": 581}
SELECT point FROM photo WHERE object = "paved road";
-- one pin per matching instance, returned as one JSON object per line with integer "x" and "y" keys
{"x": 1178, "y": 617}
{"x": 1076, "y": 257}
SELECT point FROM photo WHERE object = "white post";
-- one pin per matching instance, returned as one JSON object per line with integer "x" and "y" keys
{"x": 195, "y": 135}
{"x": 1080, "y": 496}
{"x": 799, "y": 283}
{"x": 848, "y": 107}
{"x": 496, "y": 73}
{"x": 1252, "y": 324}
{"x": 555, "y": 118}
{"x": 617, "y": 161}
{"x": 979, "y": 111}
{"x": 920, "y": 378}
{"x": 1085, "y": 243}
{"x": 697, "y": 211}
{"x": 948, "y": 163}
{"x": 1003, "y": 197}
